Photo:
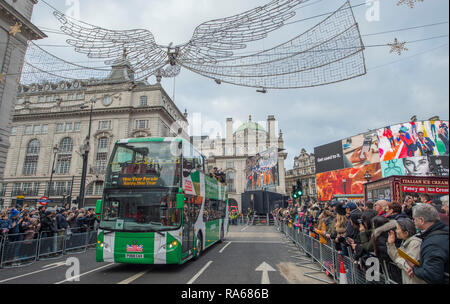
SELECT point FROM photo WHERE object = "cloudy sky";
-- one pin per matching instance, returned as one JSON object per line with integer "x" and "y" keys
{"x": 395, "y": 87}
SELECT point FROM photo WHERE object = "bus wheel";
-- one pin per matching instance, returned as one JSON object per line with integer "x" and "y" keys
{"x": 199, "y": 246}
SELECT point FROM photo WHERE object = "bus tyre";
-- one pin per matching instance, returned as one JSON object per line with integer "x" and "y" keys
{"x": 199, "y": 246}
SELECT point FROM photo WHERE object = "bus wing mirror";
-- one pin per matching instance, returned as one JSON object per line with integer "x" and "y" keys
{"x": 180, "y": 201}
{"x": 98, "y": 207}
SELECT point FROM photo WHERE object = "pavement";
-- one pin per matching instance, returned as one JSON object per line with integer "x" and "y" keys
{"x": 248, "y": 255}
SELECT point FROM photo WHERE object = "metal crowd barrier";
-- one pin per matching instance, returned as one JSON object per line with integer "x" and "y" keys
{"x": 312, "y": 252}
{"x": 20, "y": 249}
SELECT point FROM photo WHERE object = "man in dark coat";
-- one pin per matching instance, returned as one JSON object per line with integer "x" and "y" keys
{"x": 433, "y": 267}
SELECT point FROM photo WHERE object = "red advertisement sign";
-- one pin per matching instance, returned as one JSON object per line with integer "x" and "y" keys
{"x": 430, "y": 190}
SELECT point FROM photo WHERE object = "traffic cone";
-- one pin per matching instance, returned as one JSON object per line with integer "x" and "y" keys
{"x": 343, "y": 275}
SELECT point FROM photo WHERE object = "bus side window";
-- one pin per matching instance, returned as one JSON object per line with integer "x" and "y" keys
{"x": 206, "y": 211}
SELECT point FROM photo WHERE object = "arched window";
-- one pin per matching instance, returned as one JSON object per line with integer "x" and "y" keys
{"x": 102, "y": 154}
{"x": 31, "y": 158}
{"x": 230, "y": 181}
{"x": 64, "y": 156}
{"x": 94, "y": 189}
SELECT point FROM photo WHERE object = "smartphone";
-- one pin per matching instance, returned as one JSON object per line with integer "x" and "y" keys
{"x": 366, "y": 147}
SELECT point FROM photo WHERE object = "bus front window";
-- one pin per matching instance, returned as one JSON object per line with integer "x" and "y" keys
{"x": 140, "y": 210}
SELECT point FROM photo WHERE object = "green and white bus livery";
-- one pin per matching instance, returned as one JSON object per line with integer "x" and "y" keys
{"x": 158, "y": 206}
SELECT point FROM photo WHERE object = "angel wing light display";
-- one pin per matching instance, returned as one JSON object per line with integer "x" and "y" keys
{"x": 331, "y": 51}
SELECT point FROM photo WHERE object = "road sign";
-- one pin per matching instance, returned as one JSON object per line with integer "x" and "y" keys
{"x": 44, "y": 201}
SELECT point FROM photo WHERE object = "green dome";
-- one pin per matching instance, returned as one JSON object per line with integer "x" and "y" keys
{"x": 251, "y": 126}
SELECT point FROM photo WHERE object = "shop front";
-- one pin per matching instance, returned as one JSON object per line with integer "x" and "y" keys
{"x": 395, "y": 188}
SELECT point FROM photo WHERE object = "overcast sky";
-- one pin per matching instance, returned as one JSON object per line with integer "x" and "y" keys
{"x": 394, "y": 89}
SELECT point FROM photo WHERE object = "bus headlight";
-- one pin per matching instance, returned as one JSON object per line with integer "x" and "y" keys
{"x": 173, "y": 244}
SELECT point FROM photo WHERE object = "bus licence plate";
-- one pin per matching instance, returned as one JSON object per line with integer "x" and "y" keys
{"x": 134, "y": 256}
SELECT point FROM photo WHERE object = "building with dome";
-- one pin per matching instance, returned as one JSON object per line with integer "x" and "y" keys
{"x": 231, "y": 153}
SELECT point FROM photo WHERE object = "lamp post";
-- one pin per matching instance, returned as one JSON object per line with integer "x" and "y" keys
{"x": 55, "y": 151}
{"x": 85, "y": 156}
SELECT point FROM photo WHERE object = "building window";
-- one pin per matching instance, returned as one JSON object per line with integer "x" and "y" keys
{"x": 95, "y": 188}
{"x": 64, "y": 156}
{"x": 80, "y": 96}
{"x": 48, "y": 98}
{"x": 44, "y": 129}
{"x": 68, "y": 127}
{"x": 16, "y": 189}
{"x": 36, "y": 129}
{"x": 13, "y": 131}
{"x": 143, "y": 101}
{"x": 28, "y": 130}
{"x": 31, "y": 158}
{"x": 76, "y": 126}
{"x": 104, "y": 125}
{"x": 141, "y": 124}
{"x": 3, "y": 189}
{"x": 230, "y": 181}
{"x": 41, "y": 99}
{"x": 71, "y": 97}
{"x": 59, "y": 127}
{"x": 229, "y": 165}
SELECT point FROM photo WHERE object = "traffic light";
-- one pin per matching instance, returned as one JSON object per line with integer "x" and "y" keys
{"x": 299, "y": 189}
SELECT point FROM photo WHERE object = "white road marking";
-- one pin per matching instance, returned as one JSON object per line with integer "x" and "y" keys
{"x": 77, "y": 276}
{"x": 244, "y": 228}
{"x": 133, "y": 278}
{"x": 265, "y": 268}
{"x": 199, "y": 273}
{"x": 221, "y": 250}
{"x": 27, "y": 274}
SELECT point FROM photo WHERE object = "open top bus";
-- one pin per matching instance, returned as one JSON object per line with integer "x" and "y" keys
{"x": 158, "y": 206}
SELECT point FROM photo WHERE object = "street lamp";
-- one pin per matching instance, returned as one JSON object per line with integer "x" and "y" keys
{"x": 367, "y": 176}
{"x": 85, "y": 156}
{"x": 55, "y": 151}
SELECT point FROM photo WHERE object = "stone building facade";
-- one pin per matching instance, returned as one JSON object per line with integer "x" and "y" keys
{"x": 304, "y": 170}
{"x": 49, "y": 115}
{"x": 230, "y": 153}
{"x": 16, "y": 30}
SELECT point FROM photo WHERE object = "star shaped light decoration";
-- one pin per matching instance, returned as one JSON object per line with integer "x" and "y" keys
{"x": 14, "y": 29}
{"x": 398, "y": 47}
{"x": 409, "y": 3}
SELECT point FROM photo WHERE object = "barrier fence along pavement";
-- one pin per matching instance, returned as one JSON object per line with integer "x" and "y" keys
{"x": 311, "y": 251}
{"x": 21, "y": 249}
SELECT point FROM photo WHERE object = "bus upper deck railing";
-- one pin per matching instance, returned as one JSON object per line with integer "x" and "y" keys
{"x": 26, "y": 248}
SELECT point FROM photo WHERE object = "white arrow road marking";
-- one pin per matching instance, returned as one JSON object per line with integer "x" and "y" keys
{"x": 199, "y": 273}
{"x": 265, "y": 268}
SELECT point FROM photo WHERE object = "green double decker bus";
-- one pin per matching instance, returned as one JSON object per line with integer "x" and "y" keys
{"x": 158, "y": 205}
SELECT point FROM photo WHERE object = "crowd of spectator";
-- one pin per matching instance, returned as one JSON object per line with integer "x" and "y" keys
{"x": 418, "y": 226}
{"x": 27, "y": 222}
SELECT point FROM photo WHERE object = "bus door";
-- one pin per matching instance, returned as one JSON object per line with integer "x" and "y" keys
{"x": 188, "y": 224}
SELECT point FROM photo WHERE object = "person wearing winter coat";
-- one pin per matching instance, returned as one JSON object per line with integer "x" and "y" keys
{"x": 382, "y": 226}
{"x": 405, "y": 231}
{"x": 434, "y": 256}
